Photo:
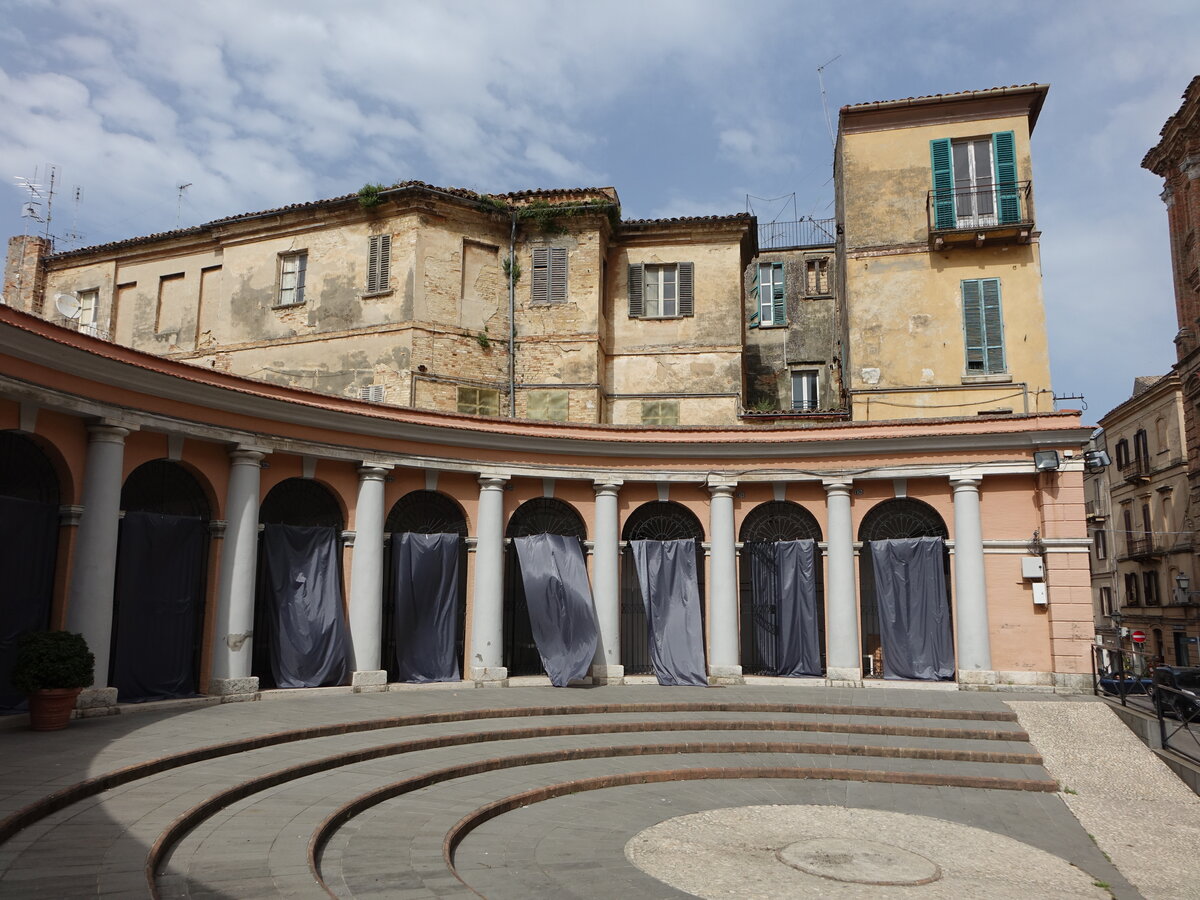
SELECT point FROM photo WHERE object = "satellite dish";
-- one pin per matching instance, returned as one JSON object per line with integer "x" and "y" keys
{"x": 67, "y": 305}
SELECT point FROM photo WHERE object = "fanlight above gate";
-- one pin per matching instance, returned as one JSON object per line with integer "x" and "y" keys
{"x": 661, "y": 521}
{"x": 901, "y": 518}
{"x": 301, "y": 501}
{"x": 163, "y": 486}
{"x": 780, "y": 520}
{"x": 545, "y": 515}
{"x": 426, "y": 512}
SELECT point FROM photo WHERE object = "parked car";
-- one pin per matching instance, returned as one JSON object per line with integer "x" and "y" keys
{"x": 1186, "y": 681}
{"x": 1125, "y": 685}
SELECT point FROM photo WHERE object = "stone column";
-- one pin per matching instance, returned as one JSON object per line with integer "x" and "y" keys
{"x": 487, "y": 616}
{"x": 841, "y": 601}
{"x": 723, "y": 667}
{"x": 234, "y": 630}
{"x": 606, "y": 583}
{"x": 93, "y": 575}
{"x": 366, "y": 581}
{"x": 970, "y": 585}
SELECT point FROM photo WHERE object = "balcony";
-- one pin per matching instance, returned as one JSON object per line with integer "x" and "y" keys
{"x": 1136, "y": 470}
{"x": 83, "y": 328}
{"x": 991, "y": 214}
{"x": 1143, "y": 548}
{"x": 795, "y": 235}
{"x": 1093, "y": 511}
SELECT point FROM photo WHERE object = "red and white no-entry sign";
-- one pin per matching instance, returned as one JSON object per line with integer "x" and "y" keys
{"x": 1138, "y": 637}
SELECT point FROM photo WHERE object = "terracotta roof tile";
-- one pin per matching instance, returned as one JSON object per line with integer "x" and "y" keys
{"x": 939, "y": 97}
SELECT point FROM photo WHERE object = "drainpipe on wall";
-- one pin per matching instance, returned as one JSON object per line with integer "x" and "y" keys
{"x": 512, "y": 321}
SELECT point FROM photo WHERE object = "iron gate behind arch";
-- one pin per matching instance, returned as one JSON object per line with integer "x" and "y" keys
{"x": 655, "y": 521}
{"x": 896, "y": 519}
{"x": 26, "y": 473}
{"x": 541, "y": 515}
{"x": 423, "y": 512}
{"x": 776, "y": 520}
{"x": 164, "y": 487}
{"x": 294, "y": 501}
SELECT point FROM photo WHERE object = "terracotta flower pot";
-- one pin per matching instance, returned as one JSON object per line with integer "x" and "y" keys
{"x": 50, "y": 708}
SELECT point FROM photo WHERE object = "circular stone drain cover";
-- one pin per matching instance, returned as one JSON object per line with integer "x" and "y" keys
{"x": 860, "y": 862}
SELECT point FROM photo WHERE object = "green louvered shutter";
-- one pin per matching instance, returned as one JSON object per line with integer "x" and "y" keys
{"x": 993, "y": 326}
{"x": 636, "y": 288}
{"x": 778, "y": 310}
{"x": 972, "y": 298}
{"x": 943, "y": 183}
{"x": 1004, "y": 152}
{"x": 686, "y": 277}
{"x": 754, "y": 292}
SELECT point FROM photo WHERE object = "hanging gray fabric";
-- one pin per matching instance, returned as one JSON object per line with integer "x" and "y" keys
{"x": 425, "y": 589}
{"x": 158, "y": 594}
{"x": 914, "y": 616}
{"x": 28, "y": 547}
{"x": 666, "y": 573}
{"x": 559, "y": 597}
{"x": 304, "y": 590}
{"x": 799, "y": 649}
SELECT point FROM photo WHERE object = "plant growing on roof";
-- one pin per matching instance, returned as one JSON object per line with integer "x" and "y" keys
{"x": 368, "y": 195}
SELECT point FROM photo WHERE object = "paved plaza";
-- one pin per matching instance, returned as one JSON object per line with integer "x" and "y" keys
{"x": 636, "y": 791}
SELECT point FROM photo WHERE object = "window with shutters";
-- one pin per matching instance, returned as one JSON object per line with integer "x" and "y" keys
{"x": 550, "y": 405}
{"x": 1122, "y": 454}
{"x": 768, "y": 287}
{"x": 1106, "y": 604}
{"x": 983, "y": 326}
{"x": 1131, "y": 589}
{"x": 660, "y": 412}
{"x": 479, "y": 401}
{"x": 804, "y": 390}
{"x": 88, "y": 302}
{"x": 975, "y": 181}
{"x": 372, "y": 393}
{"x": 379, "y": 264}
{"x": 816, "y": 277}
{"x": 292, "y": 269}
{"x": 548, "y": 281}
{"x": 661, "y": 291}
{"x": 1100, "y": 540}
{"x": 1150, "y": 587}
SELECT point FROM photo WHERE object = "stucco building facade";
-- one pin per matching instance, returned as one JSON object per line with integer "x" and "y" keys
{"x": 491, "y": 367}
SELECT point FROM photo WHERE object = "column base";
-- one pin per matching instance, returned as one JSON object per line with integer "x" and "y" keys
{"x": 489, "y": 676}
{"x": 369, "y": 681}
{"x": 234, "y": 690}
{"x": 1072, "y": 683}
{"x": 96, "y": 701}
{"x": 608, "y": 674}
{"x": 725, "y": 675}
{"x": 988, "y": 680}
{"x": 844, "y": 676}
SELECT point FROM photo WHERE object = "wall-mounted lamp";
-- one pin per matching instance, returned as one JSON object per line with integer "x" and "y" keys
{"x": 1095, "y": 460}
{"x": 1046, "y": 460}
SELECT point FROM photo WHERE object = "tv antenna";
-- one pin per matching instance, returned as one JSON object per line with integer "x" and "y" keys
{"x": 824, "y": 99}
{"x": 179, "y": 202}
{"x": 72, "y": 236}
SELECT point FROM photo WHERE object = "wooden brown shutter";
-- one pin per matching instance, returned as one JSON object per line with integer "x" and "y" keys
{"x": 635, "y": 291}
{"x": 558, "y": 274}
{"x": 686, "y": 304}
{"x": 539, "y": 288}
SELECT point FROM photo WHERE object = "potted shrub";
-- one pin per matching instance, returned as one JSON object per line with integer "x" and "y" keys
{"x": 52, "y": 667}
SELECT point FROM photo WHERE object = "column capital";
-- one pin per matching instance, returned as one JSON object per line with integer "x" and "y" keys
{"x": 370, "y": 471}
{"x": 837, "y": 485}
{"x": 722, "y": 489}
{"x": 966, "y": 482}
{"x": 491, "y": 482}
{"x": 245, "y": 454}
{"x": 108, "y": 432}
{"x": 216, "y": 529}
{"x": 607, "y": 486}
{"x": 69, "y": 515}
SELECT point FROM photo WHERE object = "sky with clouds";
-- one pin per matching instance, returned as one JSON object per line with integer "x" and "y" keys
{"x": 686, "y": 106}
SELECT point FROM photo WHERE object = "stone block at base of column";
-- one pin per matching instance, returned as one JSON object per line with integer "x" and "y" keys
{"x": 988, "y": 680}
{"x": 369, "y": 681}
{"x": 608, "y": 674}
{"x": 489, "y": 676}
{"x": 1072, "y": 683}
{"x": 844, "y": 676}
{"x": 96, "y": 702}
{"x": 982, "y": 677}
{"x": 234, "y": 690}
{"x": 725, "y": 675}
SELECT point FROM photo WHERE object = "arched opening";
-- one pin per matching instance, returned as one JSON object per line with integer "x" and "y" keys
{"x": 654, "y": 521}
{"x": 895, "y": 520}
{"x": 29, "y": 500}
{"x": 300, "y": 633}
{"x": 542, "y": 515}
{"x": 768, "y": 629}
{"x": 425, "y": 513}
{"x": 158, "y": 597}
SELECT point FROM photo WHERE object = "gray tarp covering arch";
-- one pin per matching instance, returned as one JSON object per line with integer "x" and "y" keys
{"x": 303, "y": 587}
{"x": 425, "y": 572}
{"x": 666, "y": 573}
{"x": 28, "y": 548}
{"x": 559, "y": 598}
{"x": 914, "y": 616}
{"x": 784, "y": 573}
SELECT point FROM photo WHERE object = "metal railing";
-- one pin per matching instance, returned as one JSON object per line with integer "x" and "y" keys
{"x": 1136, "y": 468}
{"x": 75, "y": 325}
{"x": 801, "y": 233}
{"x": 1127, "y": 676}
{"x": 981, "y": 206}
{"x": 1140, "y": 548}
{"x": 1178, "y": 721}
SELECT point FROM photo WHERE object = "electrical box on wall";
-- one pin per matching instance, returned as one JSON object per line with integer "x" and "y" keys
{"x": 1039, "y": 593}
{"x": 1032, "y": 568}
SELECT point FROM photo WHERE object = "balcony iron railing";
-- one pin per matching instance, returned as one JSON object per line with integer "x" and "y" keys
{"x": 801, "y": 233}
{"x": 75, "y": 325}
{"x": 1135, "y": 469}
{"x": 1143, "y": 548}
{"x": 982, "y": 208}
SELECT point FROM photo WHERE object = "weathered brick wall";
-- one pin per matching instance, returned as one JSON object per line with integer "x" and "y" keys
{"x": 24, "y": 276}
